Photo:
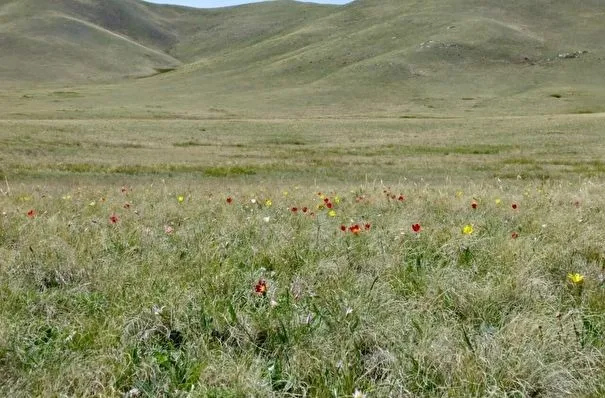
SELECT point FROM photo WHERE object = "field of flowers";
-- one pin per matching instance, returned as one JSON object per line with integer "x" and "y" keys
{"x": 157, "y": 289}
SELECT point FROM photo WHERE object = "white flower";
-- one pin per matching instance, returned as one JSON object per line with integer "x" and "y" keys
{"x": 135, "y": 392}
{"x": 359, "y": 394}
{"x": 157, "y": 310}
{"x": 266, "y": 219}
{"x": 253, "y": 201}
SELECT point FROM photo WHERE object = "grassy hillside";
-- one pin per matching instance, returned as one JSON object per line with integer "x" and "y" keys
{"x": 284, "y": 58}
{"x": 390, "y": 198}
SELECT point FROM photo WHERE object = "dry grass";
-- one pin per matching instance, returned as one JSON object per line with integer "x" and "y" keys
{"x": 96, "y": 308}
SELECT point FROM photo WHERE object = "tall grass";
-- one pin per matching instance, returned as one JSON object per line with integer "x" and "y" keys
{"x": 163, "y": 301}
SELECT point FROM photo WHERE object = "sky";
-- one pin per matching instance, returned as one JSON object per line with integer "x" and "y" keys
{"x": 225, "y": 3}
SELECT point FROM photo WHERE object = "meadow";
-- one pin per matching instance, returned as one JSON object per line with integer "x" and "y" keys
{"x": 402, "y": 257}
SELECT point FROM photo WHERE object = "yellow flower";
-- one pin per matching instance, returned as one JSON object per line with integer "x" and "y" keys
{"x": 336, "y": 199}
{"x": 93, "y": 203}
{"x": 468, "y": 229}
{"x": 66, "y": 197}
{"x": 498, "y": 201}
{"x": 180, "y": 198}
{"x": 285, "y": 193}
{"x": 332, "y": 213}
{"x": 268, "y": 203}
{"x": 576, "y": 279}
{"x": 320, "y": 207}
{"x": 459, "y": 194}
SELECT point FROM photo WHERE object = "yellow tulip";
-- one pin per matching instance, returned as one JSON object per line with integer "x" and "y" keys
{"x": 468, "y": 229}
{"x": 576, "y": 278}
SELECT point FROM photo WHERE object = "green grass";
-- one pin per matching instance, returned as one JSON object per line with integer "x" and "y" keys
{"x": 138, "y": 215}
{"x": 163, "y": 301}
{"x": 92, "y": 307}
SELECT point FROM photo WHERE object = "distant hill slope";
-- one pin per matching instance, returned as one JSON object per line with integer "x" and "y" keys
{"x": 376, "y": 55}
{"x": 94, "y": 40}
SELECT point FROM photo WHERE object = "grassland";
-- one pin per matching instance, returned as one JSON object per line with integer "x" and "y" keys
{"x": 161, "y": 301}
{"x": 174, "y": 185}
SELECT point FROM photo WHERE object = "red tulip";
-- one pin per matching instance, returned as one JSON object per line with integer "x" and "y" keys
{"x": 261, "y": 288}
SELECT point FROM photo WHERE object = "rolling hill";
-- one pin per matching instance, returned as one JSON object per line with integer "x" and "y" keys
{"x": 284, "y": 58}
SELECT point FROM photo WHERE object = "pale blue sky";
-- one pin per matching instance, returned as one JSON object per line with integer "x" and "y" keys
{"x": 225, "y": 3}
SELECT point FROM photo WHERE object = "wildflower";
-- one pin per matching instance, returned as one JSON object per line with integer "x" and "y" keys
{"x": 114, "y": 219}
{"x": 514, "y": 235}
{"x": 124, "y": 189}
{"x": 474, "y": 204}
{"x": 576, "y": 279}
{"x": 326, "y": 200}
{"x": 329, "y": 205}
{"x": 359, "y": 394}
{"x": 514, "y": 206}
{"x": 294, "y": 209}
{"x": 459, "y": 194}
{"x": 355, "y": 229}
{"x": 32, "y": 213}
{"x": 92, "y": 204}
{"x": 343, "y": 228}
{"x": 401, "y": 198}
{"x": 261, "y": 288}
{"x": 266, "y": 219}
{"x": 332, "y": 213}
{"x": 229, "y": 200}
{"x": 274, "y": 303}
{"x": 285, "y": 193}
{"x": 416, "y": 227}
{"x": 168, "y": 230}
{"x": 305, "y": 209}
{"x": 127, "y": 205}
{"x": 66, "y": 197}
{"x": 320, "y": 207}
{"x": 253, "y": 201}
{"x": 498, "y": 201}
{"x": 180, "y": 198}
{"x": 468, "y": 229}
{"x": 367, "y": 226}
{"x": 336, "y": 199}
{"x": 268, "y": 203}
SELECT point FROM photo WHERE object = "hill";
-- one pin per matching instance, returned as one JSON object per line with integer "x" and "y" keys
{"x": 289, "y": 58}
